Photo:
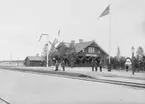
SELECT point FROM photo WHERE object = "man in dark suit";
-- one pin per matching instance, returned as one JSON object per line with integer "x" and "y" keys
{"x": 63, "y": 65}
{"x": 100, "y": 64}
{"x": 127, "y": 68}
{"x": 96, "y": 65}
{"x": 56, "y": 65}
{"x": 93, "y": 64}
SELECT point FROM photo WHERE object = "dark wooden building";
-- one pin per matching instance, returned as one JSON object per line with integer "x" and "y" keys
{"x": 34, "y": 61}
{"x": 86, "y": 52}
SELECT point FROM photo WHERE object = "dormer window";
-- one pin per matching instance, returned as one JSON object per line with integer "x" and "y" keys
{"x": 91, "y": 50}
{"x": 82, "y": 50}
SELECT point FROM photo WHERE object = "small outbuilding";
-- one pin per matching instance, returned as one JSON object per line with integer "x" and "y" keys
{"x": 34, "y": 61}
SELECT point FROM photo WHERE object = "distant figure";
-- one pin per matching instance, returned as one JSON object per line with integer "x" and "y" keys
{"x": 96, "y": 65}
{"x": 71, "y": 64}
{"x": 56, "y": 65}
{"x": 139, "y": 66}
{"x": 133, "y": 68}
{"x": 127, "y": 68}
{"x": 63, "y": 65}
{"x": 93, "y": 65}
{"x": 100, "y": 66}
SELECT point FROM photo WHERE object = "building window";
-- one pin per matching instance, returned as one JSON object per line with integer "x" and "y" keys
{"x": 99, "y": 51}
{"x": 91, "y": 50}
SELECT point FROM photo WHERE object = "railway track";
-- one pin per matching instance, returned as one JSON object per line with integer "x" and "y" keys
{"x": 78, "y": 76}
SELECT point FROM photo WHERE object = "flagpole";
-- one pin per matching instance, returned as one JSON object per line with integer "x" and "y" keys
{"x": 109, "y": 33}
{"x": 104, "y": 13}
{"x": 10, "y": 57}
{"x": 47, "y": 42}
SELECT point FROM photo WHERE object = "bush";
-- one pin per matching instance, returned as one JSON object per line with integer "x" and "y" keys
{"x": 117, "y": 64}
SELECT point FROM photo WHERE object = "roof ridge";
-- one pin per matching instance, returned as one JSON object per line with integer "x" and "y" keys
{"x": 85, "y": 41}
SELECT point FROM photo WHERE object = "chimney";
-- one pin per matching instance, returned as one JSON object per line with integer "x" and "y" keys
{"x": 72, "y": 42}
{"x": 37, "y": 54}
{"x": 80, "y": 40}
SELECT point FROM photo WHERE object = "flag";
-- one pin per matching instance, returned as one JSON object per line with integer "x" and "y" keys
{"x": 58, "y": 38}
{"x": 50, "y": 42}
{"x": 106, "y": 11}
{"x": 59, "y": 32}
{"x": 55, "y": 41}
{"x": 42, "y": 35}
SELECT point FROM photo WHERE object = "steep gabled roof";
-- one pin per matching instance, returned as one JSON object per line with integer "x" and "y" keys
{"x": 103, "y": 50}
{"x": 36, "y": 58}
{"x": 82, "y": 45}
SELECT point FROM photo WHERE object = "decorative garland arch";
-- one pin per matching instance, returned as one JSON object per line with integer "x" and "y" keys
{"x": 80, "y": 58}
{"x": 128, "y": 58}
{"x": 88, "y": 58}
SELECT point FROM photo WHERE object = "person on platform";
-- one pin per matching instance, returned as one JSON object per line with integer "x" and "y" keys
{"x": 127, "y": 68}
{"x": 100, "y": 65}
{"x": 56, "y": 65}
{"x": 63, "y": 65}
{"x": 96, "y": 65}
{"x": 93, "y": 64}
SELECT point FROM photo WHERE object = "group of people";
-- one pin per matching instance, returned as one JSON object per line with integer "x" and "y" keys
{"x": 57, "y": 65}
{"x": 96, "y": 64}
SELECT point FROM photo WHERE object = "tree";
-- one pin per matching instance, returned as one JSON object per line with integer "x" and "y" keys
{"x": 71, "y": 53}
{"x": 54, "y": 54}
{"x": 44, "y": 51}
{"x": 122, "y": 62}
{"x": 143, "y": 63}
{"x": 118, "y": 54}
{"x": 139, "y": 53}
{"x": 118, "y": 64}
{"x": 62, "y": 50}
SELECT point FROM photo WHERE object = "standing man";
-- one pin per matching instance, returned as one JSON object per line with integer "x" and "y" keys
{"x": 93, "y": 64}
{"x": 63, "y": 65}
{"x": 127, "y": 68}
{"x": 56, "y": 65}
{"x": 133, "y": 69}
{"x": 96, "y": 65}
{"x": 100, "y": 64}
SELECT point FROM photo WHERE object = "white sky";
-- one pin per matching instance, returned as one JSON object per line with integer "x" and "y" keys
{"x": 22, "y": 22}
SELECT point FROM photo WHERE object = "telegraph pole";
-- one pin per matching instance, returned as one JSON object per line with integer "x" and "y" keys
{"x": 47, "y": 42}
{"x": 11, "y": 57}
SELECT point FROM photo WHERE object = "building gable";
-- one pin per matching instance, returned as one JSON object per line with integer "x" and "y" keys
{"x": 35, "y": 58}
{"x": 83, "y": 48}
{"x": 86, "y": 48}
